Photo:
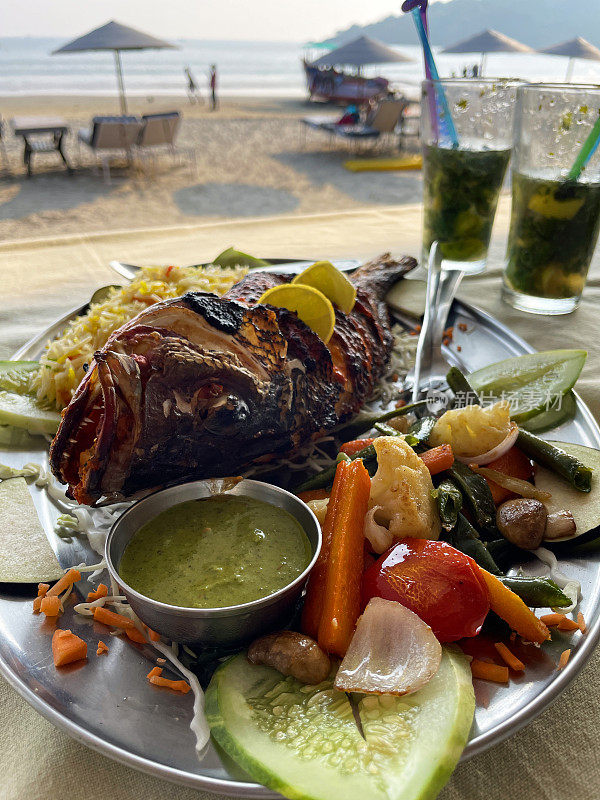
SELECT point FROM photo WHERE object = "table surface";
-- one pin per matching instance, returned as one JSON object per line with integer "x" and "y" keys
{"x": 23, "y": 126}
{"x": 554, "y": 757}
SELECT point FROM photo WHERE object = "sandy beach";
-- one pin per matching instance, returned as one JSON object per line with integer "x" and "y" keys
{"x": 253, "y": 158}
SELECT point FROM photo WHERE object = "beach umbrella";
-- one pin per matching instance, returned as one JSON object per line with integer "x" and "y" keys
{"x": 574, "y": 48}
{"x": 116, "y": 37}
{"x": 359, "y": 53}
{"x": 489, "y": 41}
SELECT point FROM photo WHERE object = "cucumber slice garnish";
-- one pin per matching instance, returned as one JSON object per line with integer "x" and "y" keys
{"x": 19, "y": 407}
{"x": 303, "y": 741}
{"x": 546, "y": 420}
{"x": 532, "y": 382}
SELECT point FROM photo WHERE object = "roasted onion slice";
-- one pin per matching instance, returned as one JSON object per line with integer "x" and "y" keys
{"x": 392, "y": 652}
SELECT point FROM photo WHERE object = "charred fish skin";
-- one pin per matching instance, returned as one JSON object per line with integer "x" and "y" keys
{"x": 203, "y": 386}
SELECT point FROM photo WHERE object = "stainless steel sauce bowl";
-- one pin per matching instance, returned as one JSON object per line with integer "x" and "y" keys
{"x": 231, "y": 625}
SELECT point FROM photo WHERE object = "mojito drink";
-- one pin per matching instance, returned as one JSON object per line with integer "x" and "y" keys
{"x": 553, "y": 233}
{"x": 460, "y": 194}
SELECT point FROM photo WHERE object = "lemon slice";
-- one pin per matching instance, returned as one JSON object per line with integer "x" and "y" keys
{"x": 329, "y": 280}
{"x": 311, "y": 305}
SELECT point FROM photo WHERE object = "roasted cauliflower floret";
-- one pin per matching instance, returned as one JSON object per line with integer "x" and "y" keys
{"x": 472, "y": 430}
{"x": 401, "y": 491}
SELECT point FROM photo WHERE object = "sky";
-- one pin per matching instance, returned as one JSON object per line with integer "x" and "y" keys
{"x": 267, "y": 20}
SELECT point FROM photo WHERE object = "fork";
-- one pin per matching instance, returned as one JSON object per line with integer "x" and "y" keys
{"x": 431, "y": 367}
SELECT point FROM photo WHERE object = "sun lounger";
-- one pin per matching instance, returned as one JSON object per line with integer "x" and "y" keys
{"x": 109, "y": 136}
{"x": 158, "y": 134}
{"x": 385, "y": 119}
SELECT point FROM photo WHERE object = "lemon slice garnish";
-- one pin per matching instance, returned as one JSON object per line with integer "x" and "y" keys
{"x": 311, "y": 305}
{"x": 329, "y": 280}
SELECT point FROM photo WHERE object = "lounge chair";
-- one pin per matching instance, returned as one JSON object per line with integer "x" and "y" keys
{"x": 158, "y": 133}
{"x": 385, "y": 119}
{"x": 109, "y": 136}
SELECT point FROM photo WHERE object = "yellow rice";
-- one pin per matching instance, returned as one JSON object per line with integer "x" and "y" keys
{"x": 62, "y": 363}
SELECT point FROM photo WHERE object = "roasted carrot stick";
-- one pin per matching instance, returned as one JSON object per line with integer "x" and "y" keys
{"x": 355, "y": 446}
{"x": 135, "y": 636}
{"x": 341, "y": 599}
{"x": 313, "y": 602}
{"x": 509, "y": 658}
{"x": 110, "y": 618}
{"x": 552, "y": 620}
{"x": 489, "y": 672}
{"x": 438, "y": 459}
{"x": 564, "y": 658}
{"x": 101, "y": 591}
{"x": 513, "y": 610}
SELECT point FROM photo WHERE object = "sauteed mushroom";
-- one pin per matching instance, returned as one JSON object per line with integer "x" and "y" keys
{"x": 522, "y": 522}
{"x": 292, "y": 654}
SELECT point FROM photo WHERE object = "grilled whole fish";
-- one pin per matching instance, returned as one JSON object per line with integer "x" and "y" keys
{"x": 202, "y": 386}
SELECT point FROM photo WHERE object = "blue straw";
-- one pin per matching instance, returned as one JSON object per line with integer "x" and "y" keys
{"x": 445, "y": 116}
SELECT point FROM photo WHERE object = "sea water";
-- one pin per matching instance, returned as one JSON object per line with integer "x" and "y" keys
{"x": 269, "y": 69}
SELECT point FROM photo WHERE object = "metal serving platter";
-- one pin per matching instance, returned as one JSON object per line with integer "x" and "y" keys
{"x": 107, "y": 703}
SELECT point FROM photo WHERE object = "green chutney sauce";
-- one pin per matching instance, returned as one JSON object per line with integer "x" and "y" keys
{"x": 221, "y": 551}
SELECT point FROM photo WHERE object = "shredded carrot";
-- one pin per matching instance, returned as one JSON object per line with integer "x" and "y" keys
{"x": 412, "y": 333}
{"x": 552, "y": 620}
{"x": 135, "y": 636}
{"x": 459, "y": 348}
{"x": 37, "y": 604}
{"x": 449, "y": 332}
{"x": 513, "y": 610}
{"x": 564, "y": 657}
{"x": 67, "y": 648}
{"x": 154, "y": 636}
{"x": 110, "y": 618}
{"x": 154, "y": 671}
{"x": 462, "y": 326}
{"x": 489, "y": 672}
{"x": 68, "y": 579}
{"x": 400, "y": 404}
{"x": 42, "y": 589}
{"x": 509, "y": 658}
{"x": 581, "y": 622}
{"x": 50, "y": 606}
{"x": 101, "y": 591}
{"x": 154, "y": 676}
{"x": 418, "y": 328}
{"x": 314, "y": 494}
{"x": 102, "y": 648}
{"x": 567, "y": 624}
{"x": 446, "y": 340}
{"x": 438, "y": 459}
{"x": 354, "y": 447}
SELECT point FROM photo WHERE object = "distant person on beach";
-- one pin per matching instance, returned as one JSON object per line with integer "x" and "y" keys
{"x": 192, "y": 87}
{"x": 213, "y": 86}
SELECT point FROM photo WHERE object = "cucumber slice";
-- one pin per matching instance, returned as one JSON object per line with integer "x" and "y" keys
{"x": 20, "y": 408}
{"x": 24, "y": 411}
{"x": 585, "y": 507}
{"x": 15, "y": 375}
{"x": 546, "y": 420}
{"x": 531, "y": 381}
{"x": 303, "y": 741}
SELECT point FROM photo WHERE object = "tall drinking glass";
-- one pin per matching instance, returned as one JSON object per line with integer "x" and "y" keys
{"x": 461, "y": 182}
{"x": 555, "y": 220}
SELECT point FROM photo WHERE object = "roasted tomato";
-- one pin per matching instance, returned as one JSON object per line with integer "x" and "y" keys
{"x": 439, "y": 583}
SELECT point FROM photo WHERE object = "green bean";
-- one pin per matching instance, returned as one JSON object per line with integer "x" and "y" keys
{"x": 324, "y": 479}
{"x": 555, "y": 459}
{"x": 477, "y": 494}
{"x": 461, "y": 387}
{"x": 449, "y": 501}
{"x": 466, "y": 539}
{"x": 537, "y": 592}
{"x": 506, "y": 554}
{"x": 352, "y": 430}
